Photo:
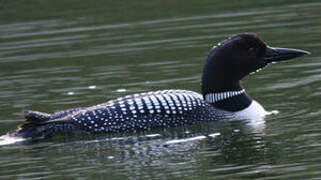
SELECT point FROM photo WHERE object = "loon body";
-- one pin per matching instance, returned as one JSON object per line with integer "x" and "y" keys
{"x": 222, "y": 97}
{"x": 144, "y": 111}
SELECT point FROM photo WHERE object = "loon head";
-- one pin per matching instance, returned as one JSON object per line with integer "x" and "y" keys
{"x": 238, "y": 56}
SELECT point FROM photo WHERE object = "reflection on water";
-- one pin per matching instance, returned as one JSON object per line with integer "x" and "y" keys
{"x": 6, "y": 140}
{"x": 69, "y": 57}
{"x": 174, "y": 152}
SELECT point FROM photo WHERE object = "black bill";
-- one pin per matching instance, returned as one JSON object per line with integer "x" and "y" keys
{"x": 273, "y": 54}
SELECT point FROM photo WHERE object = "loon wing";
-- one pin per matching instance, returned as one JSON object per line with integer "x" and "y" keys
{"x": 144, "y": 111}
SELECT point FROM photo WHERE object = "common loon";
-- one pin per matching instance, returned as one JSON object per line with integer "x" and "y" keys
{"x": 222, "y": 97}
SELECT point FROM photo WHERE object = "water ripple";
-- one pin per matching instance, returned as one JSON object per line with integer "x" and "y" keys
{"x": 64, "y": 62}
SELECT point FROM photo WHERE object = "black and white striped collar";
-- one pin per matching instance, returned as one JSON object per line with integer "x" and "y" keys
{"x": 216, "y": 97}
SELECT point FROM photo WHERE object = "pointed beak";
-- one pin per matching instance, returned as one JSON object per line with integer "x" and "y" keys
{"x": 273, "y": 54}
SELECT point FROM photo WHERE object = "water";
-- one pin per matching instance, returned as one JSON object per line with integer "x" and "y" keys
{"x": 58, "y": 55}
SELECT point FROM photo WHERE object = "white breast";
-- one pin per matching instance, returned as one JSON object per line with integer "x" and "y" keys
{"x": 254, "y": 112}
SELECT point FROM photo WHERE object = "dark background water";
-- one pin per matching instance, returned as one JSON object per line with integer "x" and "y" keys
{"x": 62, "y": 54}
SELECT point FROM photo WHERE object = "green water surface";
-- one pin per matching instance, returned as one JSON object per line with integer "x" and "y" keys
{"x": 60, "y": 54}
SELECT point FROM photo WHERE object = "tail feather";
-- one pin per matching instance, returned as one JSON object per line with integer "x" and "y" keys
{"x": 40, "y": 124}
{"x": 29, "y": 131}
{"x": 35, "y": 116}
{"x": 34, "y": 125}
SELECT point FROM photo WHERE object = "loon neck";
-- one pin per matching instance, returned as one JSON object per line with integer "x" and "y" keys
{"x": 220, "y": 80}
{"x": 226, "y": 94}
{"x": 229, "y": 100}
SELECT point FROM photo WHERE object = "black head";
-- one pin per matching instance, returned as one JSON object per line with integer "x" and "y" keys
{"x": 238, "y": 56}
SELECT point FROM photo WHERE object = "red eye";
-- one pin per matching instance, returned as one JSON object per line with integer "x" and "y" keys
{"x": 252, "y": 50}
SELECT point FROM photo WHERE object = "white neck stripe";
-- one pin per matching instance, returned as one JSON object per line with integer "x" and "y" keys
{"x": 215, "y": 97}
